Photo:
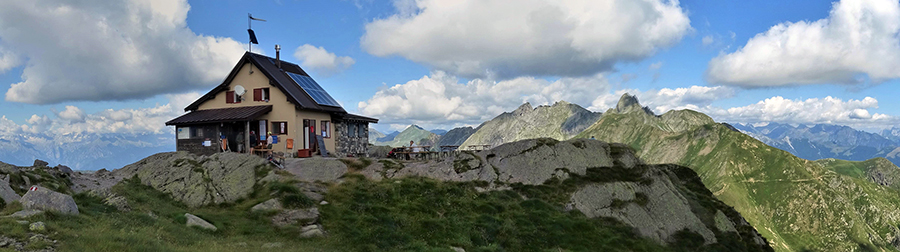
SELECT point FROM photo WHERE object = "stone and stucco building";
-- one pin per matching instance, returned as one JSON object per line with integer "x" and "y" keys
{"x": 263, "y": 94}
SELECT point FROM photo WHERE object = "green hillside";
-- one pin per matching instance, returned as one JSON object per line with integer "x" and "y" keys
{"x": 796, "y": 204}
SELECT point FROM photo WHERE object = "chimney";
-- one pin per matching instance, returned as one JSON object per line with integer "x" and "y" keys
{"x": 278, "y": 56}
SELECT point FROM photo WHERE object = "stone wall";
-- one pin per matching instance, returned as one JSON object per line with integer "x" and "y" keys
{"x": 349, "y": 141}
{"x": 195, "y": 146}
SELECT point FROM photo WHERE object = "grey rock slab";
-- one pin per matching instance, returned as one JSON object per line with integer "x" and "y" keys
{"x": 294, "y": 216}
{"x": 268, "y": 205}
{"x": 312, "y": 233}
{"x": 457, "y": 249}
{"x": 197, "y": 181}
{"x": 665, "y": 212}
{"x": 7, "y": 193}
{"x": 25, "y": 213}
{"x": 194, "y": 221}
{"x": 723, "y": 223}
{"x": 39, "y": 198}
{"x": 316, "y": 169}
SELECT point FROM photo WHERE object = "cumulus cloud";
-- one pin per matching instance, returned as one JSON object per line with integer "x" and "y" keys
{"x": 108, "y": 50}
{"x": 317, "y": 58}
{"x": 828, "y": 110}
{"x": 859, "y": 37}
{"x": 73, "y": 120}
{"x": 511, "y": 38}
{"x": 7, "y": 60}
{"x": 441, "y": 99}
{"x": 698, "y": 98}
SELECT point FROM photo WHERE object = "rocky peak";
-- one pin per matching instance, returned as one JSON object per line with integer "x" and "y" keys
{"x": 627, "y": 102}
{"x": 525, "y": 108}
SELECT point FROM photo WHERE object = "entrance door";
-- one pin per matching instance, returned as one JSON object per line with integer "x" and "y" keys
{"x": 309, "y": 135}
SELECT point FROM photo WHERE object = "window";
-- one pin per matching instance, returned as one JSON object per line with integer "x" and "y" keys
{"x": 279, "y": 128}
{"x": 183, "y": 132}
{"x": 326, "y": 129}
{"x": 362, "y": 130}
{"x": 352, "y": 131}
{"x": 261, "y": 94}
{"x": 231, "y": 97}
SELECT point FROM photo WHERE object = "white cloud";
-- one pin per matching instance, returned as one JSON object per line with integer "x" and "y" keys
{"x": 8, "y": 60}
{"x": 108, "y": 50}
{"x": 72, "y": 113}
{"x": 318, "y": 58}
{"x": 440, "y": 99}
{"x": 74, "y": 121}
{"x": 511, "y": 38}
{"x": 858, "y": 37}
{"x": 697, "y": 98}
{"x": 707, "y": 40}
{"x": 828, "y": 110}
{"x": 656, "y": 66}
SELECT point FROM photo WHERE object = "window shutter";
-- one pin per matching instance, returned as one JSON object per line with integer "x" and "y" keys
{"x": 229, "y": 97}
{"x": 257, "y": 94}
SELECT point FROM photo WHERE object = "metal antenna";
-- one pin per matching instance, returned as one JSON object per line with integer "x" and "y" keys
{"x": 252, "y": 35}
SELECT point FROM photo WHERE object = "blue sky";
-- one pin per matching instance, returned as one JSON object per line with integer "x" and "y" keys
{"x": 448, "y": 64}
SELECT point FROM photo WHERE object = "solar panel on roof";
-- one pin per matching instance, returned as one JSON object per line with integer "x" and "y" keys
{"x": 314, "y": 90}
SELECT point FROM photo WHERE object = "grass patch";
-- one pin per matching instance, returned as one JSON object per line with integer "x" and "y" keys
{"x": 156, "y": 223}
{"x": 418, "y": 214}
{"x": 289, "y": 195}
{"x": 356, "y": 164}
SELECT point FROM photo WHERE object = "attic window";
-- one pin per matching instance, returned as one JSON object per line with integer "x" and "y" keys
{"x": 261, "y": 94}
{"x": 231, "y": 97}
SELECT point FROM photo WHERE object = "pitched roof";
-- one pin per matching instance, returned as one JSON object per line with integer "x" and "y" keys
{"x": 221, "y": 115}
{"x": 277, "y": 77}
{"x": 352, "y": 117}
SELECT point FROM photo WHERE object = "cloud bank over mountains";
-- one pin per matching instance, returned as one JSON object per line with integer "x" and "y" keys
{"x": 859, "y": 37}
{"x": 107, "y": 50}
{"x": 511, "y": 38}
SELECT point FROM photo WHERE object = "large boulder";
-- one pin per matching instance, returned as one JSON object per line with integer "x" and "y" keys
{"x": 39, "y": 198}
{"x": 6, "y": 192}
{"x": 316, "y": 169}
{"x": 194, "y": 221}
{"x": 198, "y": 180}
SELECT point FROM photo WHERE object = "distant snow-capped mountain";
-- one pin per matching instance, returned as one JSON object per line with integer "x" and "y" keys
{"x": 83, "y": 151}
{"x": 823, "y": 141}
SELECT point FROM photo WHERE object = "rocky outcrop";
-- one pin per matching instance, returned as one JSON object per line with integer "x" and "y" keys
{"x": 316, "y": 169}
{"x": 6, "y": 192}
{"x": 296, "y": 216}
{"x": 198, "y": 180}
{"x": 39, "y": 198}
{"x": 659, "y": 201}
{"x": 269, "y": 205}
{"x": 194, "y": 221}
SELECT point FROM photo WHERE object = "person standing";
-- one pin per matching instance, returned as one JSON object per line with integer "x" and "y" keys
{"x": 254, "y": 139}
{"x": 269, "y": 140}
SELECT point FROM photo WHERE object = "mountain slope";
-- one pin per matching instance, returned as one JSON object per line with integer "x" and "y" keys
{"x": 560, "y": 121}
{"x": 456, "y": 136}
{"x": 412, "y": 133}
{"x": 374, "y": 135}
{"x": 822, "y": 141}
{"x": 796, "y": 204}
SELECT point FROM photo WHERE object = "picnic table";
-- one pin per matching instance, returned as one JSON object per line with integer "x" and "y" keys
{"x": 423, "y": 151}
